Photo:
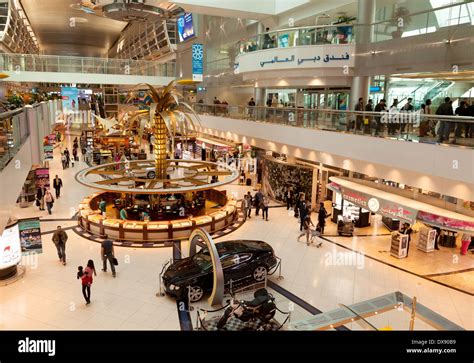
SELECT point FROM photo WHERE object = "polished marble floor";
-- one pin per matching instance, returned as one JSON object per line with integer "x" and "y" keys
{"x": 49, "y": 295}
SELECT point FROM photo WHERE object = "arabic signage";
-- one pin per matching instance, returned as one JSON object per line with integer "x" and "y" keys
{"x": 377, "y": 205}
{"x": 326, "y": 56}
{"x": 30, "y": 236}
{"x": 198, "y": 62}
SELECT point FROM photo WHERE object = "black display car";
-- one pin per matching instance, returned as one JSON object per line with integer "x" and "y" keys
{"x": 242, "y": 260}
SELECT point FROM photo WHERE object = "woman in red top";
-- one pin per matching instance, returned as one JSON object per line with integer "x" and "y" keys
{"x": 86, "y": 278}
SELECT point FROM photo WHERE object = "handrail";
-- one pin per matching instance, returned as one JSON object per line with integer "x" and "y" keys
{"x": 223, "y": 107}
{"x": 420, "y": 12}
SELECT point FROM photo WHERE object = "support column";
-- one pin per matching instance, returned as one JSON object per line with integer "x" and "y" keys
{"x": 365, "y": 33}
{"x": 33, "y": 125}
{"x": 259, "y": 96}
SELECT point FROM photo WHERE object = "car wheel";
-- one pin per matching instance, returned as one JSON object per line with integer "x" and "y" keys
{"x": 260, "y": 273}
{"x": 195, "y": 293}
{"x": 151, "y": 175}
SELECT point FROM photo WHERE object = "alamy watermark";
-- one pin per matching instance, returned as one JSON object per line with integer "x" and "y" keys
{"x": 350, "y": 258}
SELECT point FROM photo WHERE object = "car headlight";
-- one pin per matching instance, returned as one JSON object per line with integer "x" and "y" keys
{"x": 174, "y": 287}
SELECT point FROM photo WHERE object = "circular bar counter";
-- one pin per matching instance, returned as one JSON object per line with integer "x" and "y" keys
{"x": 91, "y": 220}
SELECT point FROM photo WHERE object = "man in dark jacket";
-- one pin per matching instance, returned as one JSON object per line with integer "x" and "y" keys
{"x": 303, "y": 211}
{"x": 108, "y": 254}
{"x": 380, "y": 107}
{"x": 462, "y": 110}
{"x": 258, "y": 200}
{"x": 446, "y": 109}
{"x": 57, "y": 185}
{"x": 59, "y": 240}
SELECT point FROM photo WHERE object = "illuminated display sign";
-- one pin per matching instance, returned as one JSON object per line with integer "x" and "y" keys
{"x": 185, "y": 26}
{"x": 10, "y": 249}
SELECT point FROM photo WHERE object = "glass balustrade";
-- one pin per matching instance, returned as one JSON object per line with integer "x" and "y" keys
{"x": 408, "y": 126}
{"x": 49, "y": 63}
{"x": 292, "y": 37}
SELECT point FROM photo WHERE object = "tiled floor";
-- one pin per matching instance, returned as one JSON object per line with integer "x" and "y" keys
{"x": 49, "y": 296}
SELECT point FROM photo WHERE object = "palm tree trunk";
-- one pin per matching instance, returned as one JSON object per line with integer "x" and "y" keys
{"x": 159, "y": 148}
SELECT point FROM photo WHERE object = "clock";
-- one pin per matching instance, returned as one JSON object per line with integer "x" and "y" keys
{"x": 373, "y": 204}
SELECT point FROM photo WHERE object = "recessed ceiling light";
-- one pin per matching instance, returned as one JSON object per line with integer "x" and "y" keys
{"x": 79, "y": 19}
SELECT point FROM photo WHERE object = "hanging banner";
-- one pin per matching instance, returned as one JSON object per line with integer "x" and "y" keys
{"x": 48, "y": 152}
{"x": 69, "y": 97}
{"x": 10, "y": 251}
{"x": 42, "y": 178}
{"x": 185, "y": 26}
{"x": 30, "y": 236}
{"x": 198, "y": 62}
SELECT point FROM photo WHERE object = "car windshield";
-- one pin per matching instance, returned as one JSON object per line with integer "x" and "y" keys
{"x": 203, "y": 260}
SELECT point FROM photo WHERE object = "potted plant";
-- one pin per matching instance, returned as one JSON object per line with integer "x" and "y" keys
{"x": 401, "y": 18}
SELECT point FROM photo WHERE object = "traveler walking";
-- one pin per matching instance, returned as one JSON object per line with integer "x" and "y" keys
{"x": 247, "y": 202}
{"x": 307, "y": 223}
{"x": 393, "y": 118}
{"x": 462, "y": 110}
{"x": 107, "y": 253}
{"x": 359, "y": 118}
{"x": 86, "y": 279}
{"x": 49, "y": 200}
{"x": 59, "y": 240}
{"x": 444, "y": 130}
{"x": 369, "y": 107}
{"x": 265, "y": 203}
{"x": 380, "y": 107}
{"x": 303, "y": 211}
{"x": 40, "y": 198}
{"x": 63, "y": 160}
{"x": 57, "y": 185}
{"x": 322, "y": 215}
{"x": 465, "y": 242}
{"x": 258, "y": 201}
{"x": 289, "y": 197}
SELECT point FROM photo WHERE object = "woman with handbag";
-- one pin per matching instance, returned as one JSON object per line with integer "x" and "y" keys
{"x": 40, "y": 198}
{"x": 48, "y": 198}
{"x": 86, "y": 279}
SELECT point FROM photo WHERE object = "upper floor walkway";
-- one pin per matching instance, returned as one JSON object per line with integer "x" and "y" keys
{"x": 394, "y": 146}
{"x": 65, "y": 69}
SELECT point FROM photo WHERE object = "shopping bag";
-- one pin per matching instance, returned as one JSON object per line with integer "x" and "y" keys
{"x": 366, "y": 121}
{"x": 115, "y": 261}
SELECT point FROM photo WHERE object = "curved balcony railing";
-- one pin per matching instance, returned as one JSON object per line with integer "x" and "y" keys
{"x": 409, "y": 23}
{"x": 292, "y": 37}
{"x": 53, "y": 63}
{"x": 406, "y": 126}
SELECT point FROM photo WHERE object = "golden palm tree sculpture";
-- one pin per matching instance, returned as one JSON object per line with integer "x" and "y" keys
{"x": 169, "y": 116}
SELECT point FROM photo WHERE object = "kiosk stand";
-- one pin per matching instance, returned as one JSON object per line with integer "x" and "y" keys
{"x": 426, "y": 239}
{"x": 399, "y": 245}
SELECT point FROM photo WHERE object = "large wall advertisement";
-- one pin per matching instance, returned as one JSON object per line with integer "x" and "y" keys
{"x": 185, "y": 26}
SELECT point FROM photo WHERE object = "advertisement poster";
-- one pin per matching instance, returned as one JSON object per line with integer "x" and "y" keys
{"x": 69, "y": 97}
{"x": 283, "y": 40}
{"x": 42, "y": 178}
{"x": 30, "y": 236}
{"x": 52, "y": 139}
{"x": 198, "y": 60}
{"x": 185, "y": 27}
{"x": 48, "y": 152}
{"x": 10, "y": 251}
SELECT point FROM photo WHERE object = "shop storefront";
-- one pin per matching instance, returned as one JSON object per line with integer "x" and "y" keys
{"x": 397, "y": 210}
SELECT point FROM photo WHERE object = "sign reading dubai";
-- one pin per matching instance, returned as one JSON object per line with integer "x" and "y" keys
{"x": 198, "y": 62}
{"x": 284, "y": 57}
{"x": 185, "y": 26}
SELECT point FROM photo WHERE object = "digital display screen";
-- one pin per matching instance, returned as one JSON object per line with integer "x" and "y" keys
{"x": 10, "y": 249}
{"x": 185, "y": 26}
